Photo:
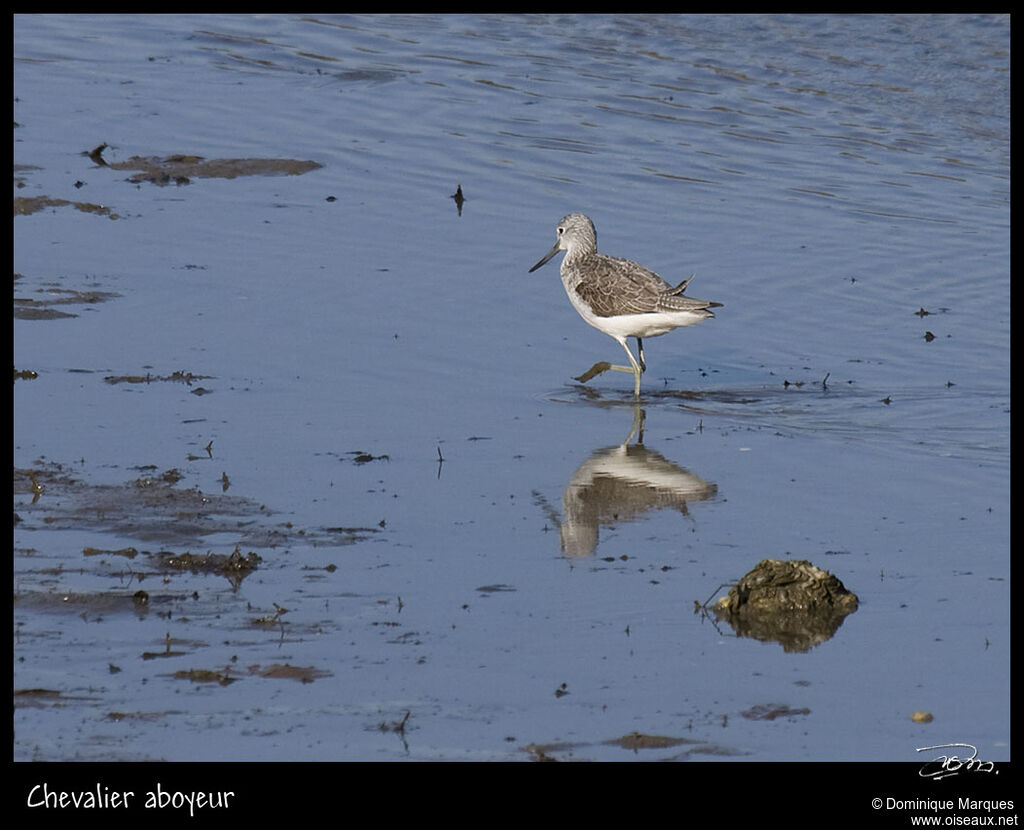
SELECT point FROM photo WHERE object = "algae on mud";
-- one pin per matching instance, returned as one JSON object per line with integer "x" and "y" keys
{"x": 790, "y": 602}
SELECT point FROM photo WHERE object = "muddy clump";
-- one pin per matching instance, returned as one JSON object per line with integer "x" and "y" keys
{"x": 286, "y": 671}
{"x": 150, "y": 508}
{"x": 178, "y": 376}
{"x": 234, "y": 567}
{"x": 180, "y": 169}
{"x": 793, "y": 603}
{"x": 44, "y": 307}
{"x": 27, "y": 205}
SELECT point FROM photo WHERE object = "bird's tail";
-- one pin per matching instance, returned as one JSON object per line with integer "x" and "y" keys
{"x": 679, "y": 289}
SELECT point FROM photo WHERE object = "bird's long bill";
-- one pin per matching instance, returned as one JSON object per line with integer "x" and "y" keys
{"x": 547, "y": 256}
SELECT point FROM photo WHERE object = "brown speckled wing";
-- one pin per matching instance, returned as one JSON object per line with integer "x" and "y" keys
{"x": 612, "y": 286}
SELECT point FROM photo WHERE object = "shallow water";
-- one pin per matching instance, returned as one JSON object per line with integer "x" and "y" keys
{"x": 381, "y": 404}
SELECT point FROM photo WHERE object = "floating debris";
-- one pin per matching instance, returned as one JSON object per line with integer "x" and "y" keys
{"x": 89, "y": 605}
{"x": 395, "y": 725}
{"x": 36, "y": 697}
{"x": 96, "y": 155}
{"x": 31, "y": 308}
{"x": 771, "y": 711}
{"x": 541, "y": 754}
{"x": 155, "y": 655}
{"x": 130, "y": 553}
{"x": 459, "y": 199}
{"x": 269, "y": 619}
{"x": 929, "y": 337}
{"x": 205, "y": 676}
{"x": 286, "y": 671}
{"x": 638, "y": 740}
{"x": 494, "y": 589}
{"x": 922, "y": 717}
{"x": 360, "y": 457}
{"x": 171, "y": 476}
{"x": 175, "y": 377}
{"x": 235, "y": 567}
{"x": 27, "y": 205}
{"x": 152, "y": 508}
{"x": 180, "y": 169}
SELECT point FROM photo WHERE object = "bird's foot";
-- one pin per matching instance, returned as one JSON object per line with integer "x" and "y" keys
{"x": 594, "y": 371}
{"x": 601, "y": 368}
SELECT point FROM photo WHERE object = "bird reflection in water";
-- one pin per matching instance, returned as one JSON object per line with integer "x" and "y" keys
{"x": 620, "y": 484}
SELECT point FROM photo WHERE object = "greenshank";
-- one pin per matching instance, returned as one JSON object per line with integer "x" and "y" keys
{"x": 618, "y": 296}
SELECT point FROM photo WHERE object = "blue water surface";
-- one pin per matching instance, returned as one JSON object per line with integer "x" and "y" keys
{"x": 373, "y": 357}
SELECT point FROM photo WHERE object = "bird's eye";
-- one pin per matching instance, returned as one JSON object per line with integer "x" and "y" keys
{"x": 560, "y": 231}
